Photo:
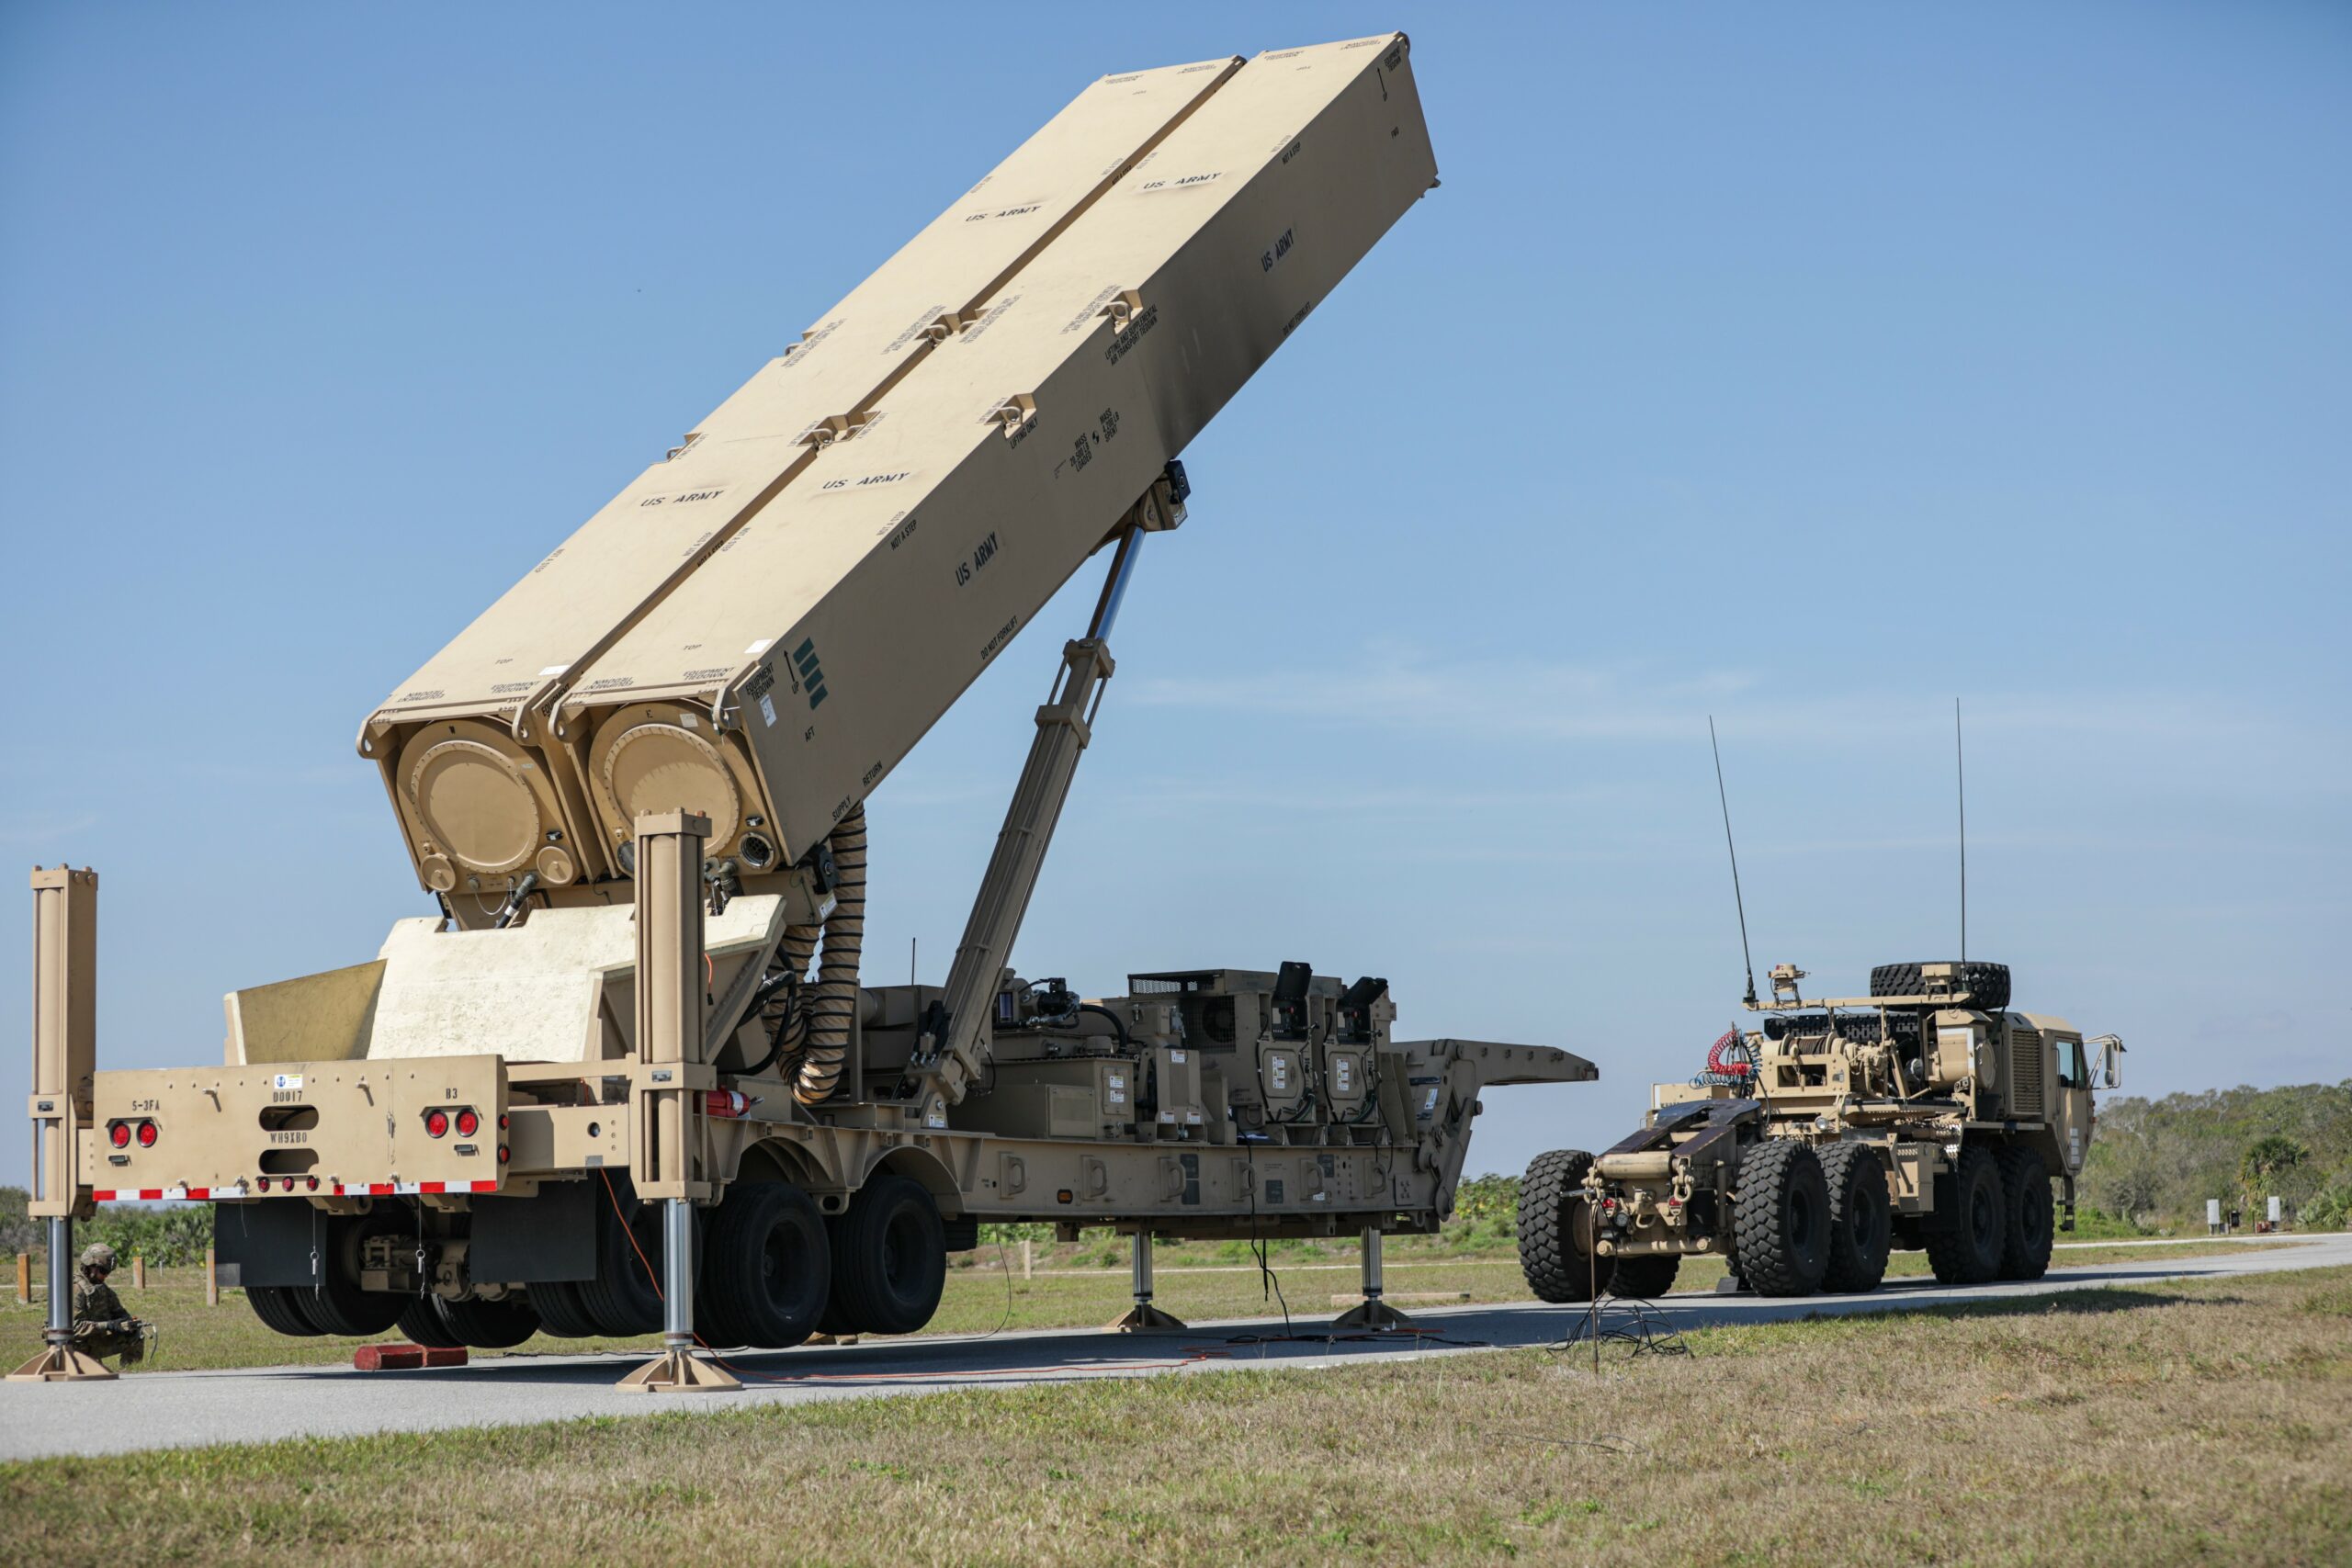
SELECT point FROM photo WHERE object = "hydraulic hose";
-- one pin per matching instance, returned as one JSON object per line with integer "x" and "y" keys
{"x": 833, "y": 1010}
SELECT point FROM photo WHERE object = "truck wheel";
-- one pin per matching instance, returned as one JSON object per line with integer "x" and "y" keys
{"x": 422, "y": 1321}
{"x": 1556, "y": 1230}
{"x": 490, "y": 1325}
{"x": 279, "y": 1307}
{"x": 624, "y": 1298}
{"x": 1987, "y": 984}
{"x": 2030, "y": 1215}
{"x": 336, "y": 1304}
{"x": 561, "y": 1312}
{"x": 1645, "y": 1277}
{"x": 1860, "y": 1231}
{"x": 890, "y": 1258}
{"x": 768, "y": 1270}
{"x": 1965, "y": 1249}
{"x": 1781, "y": 1218}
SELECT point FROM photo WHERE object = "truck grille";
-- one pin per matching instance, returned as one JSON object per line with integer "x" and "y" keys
{"x": 2025, "y": 1074}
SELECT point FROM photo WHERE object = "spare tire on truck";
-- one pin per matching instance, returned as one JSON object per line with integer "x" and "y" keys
{"x": 1987, "y": 984}
{"x": 1556, "y": 1230}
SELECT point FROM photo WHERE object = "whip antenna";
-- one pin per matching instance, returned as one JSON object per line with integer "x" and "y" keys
{"x": 1724, "y": 798}
{"x": 1960, "y": 762}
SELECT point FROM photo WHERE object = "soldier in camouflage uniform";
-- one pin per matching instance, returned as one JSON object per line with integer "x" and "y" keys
{"x": 101, "y": 1328}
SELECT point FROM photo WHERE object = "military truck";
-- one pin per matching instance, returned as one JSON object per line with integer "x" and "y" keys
{"x": 1928, "y": 1116}
{"x": 628, "y": 1075}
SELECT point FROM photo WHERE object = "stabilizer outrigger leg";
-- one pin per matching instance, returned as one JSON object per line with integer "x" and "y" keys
{"x": 65, "y": 986}
{"x": 1375, "y": 1313}
{"x": 59, "y": 1362}
{"x": 669, "y": 1014}
{"x": 1143, "y": 1318}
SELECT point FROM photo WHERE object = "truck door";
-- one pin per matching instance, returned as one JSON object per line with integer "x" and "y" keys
{"x": 2070, "y": 1114}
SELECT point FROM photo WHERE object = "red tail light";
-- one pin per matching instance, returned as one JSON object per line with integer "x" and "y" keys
{"x": 436, "y": 1123}
{"x": 313, "y": 1182}
{"x": 468, "y": 1122}
{"x": 146, "y": 1134}
{"x": 119, "y": 1133}
{"x": 504, "y": 1154}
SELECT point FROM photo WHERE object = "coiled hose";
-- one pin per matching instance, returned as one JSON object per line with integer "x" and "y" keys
{"x": 783, "y": 1011}
{"x": 833, "y": 1008}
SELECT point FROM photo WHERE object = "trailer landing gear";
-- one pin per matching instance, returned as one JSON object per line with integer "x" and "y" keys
{"x": 678, "y": 1370}
{"x": 59, "y": 1362}
{"x": 1374, "y": 1315}
{"x": 1143, "y": 1318}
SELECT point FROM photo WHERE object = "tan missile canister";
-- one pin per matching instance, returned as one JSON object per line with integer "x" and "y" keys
{"x": 462, "y": 754}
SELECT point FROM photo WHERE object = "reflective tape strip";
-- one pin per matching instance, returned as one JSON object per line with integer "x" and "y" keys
{"x": 163, "y": 1194}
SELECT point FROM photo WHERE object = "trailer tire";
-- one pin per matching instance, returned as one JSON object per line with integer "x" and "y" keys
{"x": 336, "y": 1304}
{"x": 1781, "y": 1218}
{"x": 1860, "y": 1219}
{"x": 1556, "y": 1230}
{"x": 889, "y": 1259}
{"x": 279, "y": 1307}
{"x": 768, "y": 1272}
{"x": 422, "y": 1321}
{"x": 2031, "y": 1216}
{"x": 624, "y": 1298}
{"x": 1965, "y": 1247}
{"x": 1987, "y": 984}
{"x": 490, "y": 1325}
{"x": 1645, "y": 1277}
{"x": 561, "y": 1312}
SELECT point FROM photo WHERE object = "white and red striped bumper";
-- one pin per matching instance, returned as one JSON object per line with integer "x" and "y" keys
{"x": 329, "y": 1188}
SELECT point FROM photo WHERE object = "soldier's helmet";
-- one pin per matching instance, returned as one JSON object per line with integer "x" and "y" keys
{"x": 98, "y": 1255}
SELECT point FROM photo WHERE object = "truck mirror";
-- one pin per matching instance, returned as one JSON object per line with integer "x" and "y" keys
{"x": 2110, "y": 1072}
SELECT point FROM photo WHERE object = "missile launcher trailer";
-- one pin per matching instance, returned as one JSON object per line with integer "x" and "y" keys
{"x": 604, "y": 1092}
{"x": 1925, "y": 1116}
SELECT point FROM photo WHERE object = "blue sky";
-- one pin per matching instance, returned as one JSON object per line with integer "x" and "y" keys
{"x": 1803, "y": 369}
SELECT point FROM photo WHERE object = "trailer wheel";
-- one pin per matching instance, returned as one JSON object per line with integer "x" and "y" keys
{"x": 1781, "y": 1218}
{"x": 2030, "y": 1213}
{"x": 279, "y": 1307}
{"x": 561, "y": 1312}
{"x": 890, "y": 1258}
{"x": 1645, "y": 1277}
{"x": 1965, "y": 1249}
{"x": 422, "y": 1321}
{"x": 1987, "y": 984}
{"x": 336, "y": 1304}
{"x": 624, "y": 1298}
{"x": 490, "y": 1325}
{"x": 768, "y": 1270}
{"x": 1861, "y": 1232}
{"x": 1556, "y": 1230}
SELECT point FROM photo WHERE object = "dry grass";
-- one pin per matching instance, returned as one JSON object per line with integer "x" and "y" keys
{"x": 2152, "y": 1425}
{"x": 197, "y": 1338}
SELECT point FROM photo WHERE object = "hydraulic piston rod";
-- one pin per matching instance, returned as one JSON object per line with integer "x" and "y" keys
{"x": 953, "y": 1045}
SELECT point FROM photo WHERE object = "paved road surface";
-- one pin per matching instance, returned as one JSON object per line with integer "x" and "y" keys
{"x": 152, "y": 1410}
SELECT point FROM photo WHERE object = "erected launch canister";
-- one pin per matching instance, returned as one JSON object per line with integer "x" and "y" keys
{"x": 760, "y": 626}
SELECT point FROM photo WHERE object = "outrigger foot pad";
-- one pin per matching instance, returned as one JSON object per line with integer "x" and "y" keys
{"x": 1374, "y": 1315}
{"x": 1145, "y": 1318}
{"x": 63, "y": 1363}
{"x": 679, "y": 1371}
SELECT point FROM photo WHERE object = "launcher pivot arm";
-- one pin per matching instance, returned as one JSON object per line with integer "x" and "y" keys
{"x": 953, "y": 1045}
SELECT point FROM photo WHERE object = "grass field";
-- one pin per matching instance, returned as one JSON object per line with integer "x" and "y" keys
{"x": 197, "y": 1338}
{"x": 2151, "y": 1425}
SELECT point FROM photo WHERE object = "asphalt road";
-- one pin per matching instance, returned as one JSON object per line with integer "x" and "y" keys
{"x": 152, "y": 1410}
